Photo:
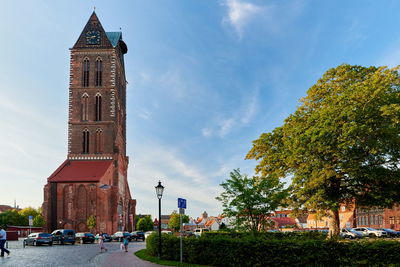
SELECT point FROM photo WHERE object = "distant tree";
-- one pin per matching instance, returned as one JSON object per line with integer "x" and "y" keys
{"x": 39, "y": 221}
{"x": 342, "y": 145}
{"x": 26, "y": 212}
{"x": 174, "y": 221}
{"x": 145, "y": 224}
{"x": 250, "y": 199}
{"x": 91, "y": 222}
{"x": 12, "y": 217}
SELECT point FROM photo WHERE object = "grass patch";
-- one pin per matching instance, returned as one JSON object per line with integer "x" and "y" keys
{"x": 142, "y": 254}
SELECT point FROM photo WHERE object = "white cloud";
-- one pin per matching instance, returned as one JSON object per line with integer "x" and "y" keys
{"x": 145, "y": 114}
{"x": 240, "y": 13}
{"x": 180, "y": 178}
{"x": 226, "y": 126}
{"x": 206, "y": 132}
{"x": 244, "y": 115}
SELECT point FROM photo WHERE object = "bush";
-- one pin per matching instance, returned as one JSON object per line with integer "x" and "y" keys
{"x": 272, "y": 249}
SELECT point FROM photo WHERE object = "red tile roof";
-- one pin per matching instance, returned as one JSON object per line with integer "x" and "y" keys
{"x": 284, "y": 221}
{"x": 80, "y": 171}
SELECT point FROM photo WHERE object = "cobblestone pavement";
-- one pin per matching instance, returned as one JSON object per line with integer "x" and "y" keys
{"x": 74, "y": 255}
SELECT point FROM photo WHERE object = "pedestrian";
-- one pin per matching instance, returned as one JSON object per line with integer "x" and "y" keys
{"x": 3, "y": 239}
{"x": 101, "y": 242}
{"x": 125, "y": 243}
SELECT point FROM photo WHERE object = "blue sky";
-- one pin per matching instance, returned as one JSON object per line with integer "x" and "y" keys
{"x": 206, "y": 77}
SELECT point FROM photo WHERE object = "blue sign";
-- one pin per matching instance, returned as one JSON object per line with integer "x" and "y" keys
{"x": 30, "y": 217}
{"x": 181, "y": 203}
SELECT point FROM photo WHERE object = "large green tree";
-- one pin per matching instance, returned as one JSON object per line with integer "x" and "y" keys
{"x": 174, "y": 221}
{"x": 341, "y": 145}
{"x": 249, "y": 200}
{"x": 145, "y": 224}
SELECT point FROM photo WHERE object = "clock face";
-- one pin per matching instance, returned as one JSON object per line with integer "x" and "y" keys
{"x": 93, "y": 37}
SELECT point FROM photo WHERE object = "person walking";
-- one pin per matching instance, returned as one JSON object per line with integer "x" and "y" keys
{"x": 3, "y": 239}
{"x": 125, "y": 243}
{"x": 101, "y": 242}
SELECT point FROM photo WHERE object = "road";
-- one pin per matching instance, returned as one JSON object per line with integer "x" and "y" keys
{"x": 74, "y": 255}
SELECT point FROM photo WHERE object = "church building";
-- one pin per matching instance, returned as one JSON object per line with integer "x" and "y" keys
{"x": 92, "y": 181}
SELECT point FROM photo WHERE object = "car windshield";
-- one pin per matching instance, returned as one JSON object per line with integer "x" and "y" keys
{"x": 45, "y": 235}
{"x": 371, "y": 229}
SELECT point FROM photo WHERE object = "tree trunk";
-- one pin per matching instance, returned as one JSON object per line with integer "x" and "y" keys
{"x": 334, "y": 226}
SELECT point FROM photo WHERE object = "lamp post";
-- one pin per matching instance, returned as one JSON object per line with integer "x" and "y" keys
{"x": 159, "y": 192}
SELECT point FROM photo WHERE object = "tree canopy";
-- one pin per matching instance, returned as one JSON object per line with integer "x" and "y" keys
{"x": 249, "y": 200}
{"x": 145, "y": 224}
{"x": 174, "y": 221}
{"x": 342, "y": 145}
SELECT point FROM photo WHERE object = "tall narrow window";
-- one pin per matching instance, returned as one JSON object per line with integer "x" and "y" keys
{"x": 98, "y": 107}
{"x": 99, "y": 72}
{"x": 86, "y": 68}
{"x": 85, "y": 141}
{"x": 98, "y": 141}
{"x": 85, "y": 105}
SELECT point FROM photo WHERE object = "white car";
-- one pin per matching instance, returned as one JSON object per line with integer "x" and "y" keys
{"x": 371, "y": 232}
{"x": 199, "y": 231}
{"x": 146, "y": 234}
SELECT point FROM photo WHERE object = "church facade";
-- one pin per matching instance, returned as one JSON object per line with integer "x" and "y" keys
{"x": 92, "y": 181}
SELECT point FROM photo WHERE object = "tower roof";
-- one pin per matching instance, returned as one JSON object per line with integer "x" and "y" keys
{"x": 107, "y": 39}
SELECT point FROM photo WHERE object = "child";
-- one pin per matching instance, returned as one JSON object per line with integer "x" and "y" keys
{"x": 101, "y": 243}
{"x": 125, "y": 243}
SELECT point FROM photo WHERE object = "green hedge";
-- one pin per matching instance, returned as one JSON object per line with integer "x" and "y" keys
{"x": 260, "y": 251}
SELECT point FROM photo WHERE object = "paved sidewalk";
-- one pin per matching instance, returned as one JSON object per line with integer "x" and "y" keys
{"x": 118, "y": 258}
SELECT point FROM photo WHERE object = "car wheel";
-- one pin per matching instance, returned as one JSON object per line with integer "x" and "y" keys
{"x": 72, "y": 243}
{"x": 51, "y": 243}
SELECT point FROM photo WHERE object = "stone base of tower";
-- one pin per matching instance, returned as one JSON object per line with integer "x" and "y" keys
{"x": 79, "y": 189}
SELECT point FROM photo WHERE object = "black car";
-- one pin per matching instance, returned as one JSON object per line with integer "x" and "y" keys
{"x": 137, "y": 235}
{"x": 107, "y": 237}
{"x": 390, "y": 232}
{"x": 85, "y": 237}
{"x": 37, "y": 239}
{"x": 64, "y": 236}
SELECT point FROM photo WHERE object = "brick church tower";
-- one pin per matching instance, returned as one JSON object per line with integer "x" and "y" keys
{"x": 93, "y": 178}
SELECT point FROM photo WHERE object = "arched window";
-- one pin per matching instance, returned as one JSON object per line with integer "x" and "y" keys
{"x": 85, "y": 105}
{"x": 99, "y": 72}
{"x": 99, "y": 133}
{"x": 85, "y": 141}
{"x": 97, "y": 107}
{"x": 86, "y": 68}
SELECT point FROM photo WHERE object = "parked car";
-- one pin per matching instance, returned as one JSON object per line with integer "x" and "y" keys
{"x": 37, "y": 239}
{"x": 119, "y": 236}
{"x": 107, "y": 237}
{"x": 200, "y": 231}
{"x": 85, "y": 237}
{"x": 64, "y": 236}
{"x": 371, "y": 232}
{"x": 137, "y": 235}
{"x": 390, "y": 232}
{"x": 166, "y": 232}
{"x": 350, "y": 233}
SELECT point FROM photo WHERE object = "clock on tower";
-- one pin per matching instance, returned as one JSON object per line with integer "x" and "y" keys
{"x": 92, "y": 37}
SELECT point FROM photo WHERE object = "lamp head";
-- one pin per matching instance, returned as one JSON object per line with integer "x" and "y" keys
{"x": 159, "y": 190}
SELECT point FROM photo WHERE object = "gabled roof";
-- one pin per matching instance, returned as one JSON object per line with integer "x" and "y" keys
{"x": 81, "y": 171}
{"x": 284, "y": 221}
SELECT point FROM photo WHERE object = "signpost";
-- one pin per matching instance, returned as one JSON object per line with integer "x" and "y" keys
{"x": 182, "y": 207}
{"x": 30, "y": 218}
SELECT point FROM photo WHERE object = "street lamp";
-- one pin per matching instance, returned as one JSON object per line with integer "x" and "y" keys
{"x": 159, "y": 192}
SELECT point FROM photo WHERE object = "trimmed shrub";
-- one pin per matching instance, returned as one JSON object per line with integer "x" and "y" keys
{"x": 269, "y": 250}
